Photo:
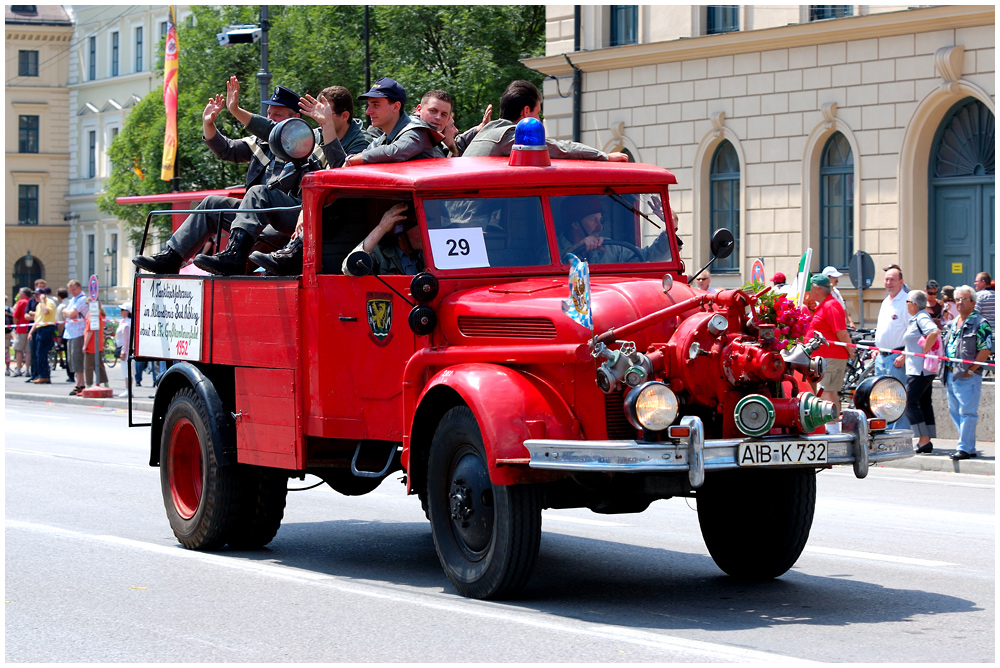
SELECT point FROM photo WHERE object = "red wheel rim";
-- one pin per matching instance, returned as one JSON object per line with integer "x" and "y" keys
{"x": 185, "y": 468}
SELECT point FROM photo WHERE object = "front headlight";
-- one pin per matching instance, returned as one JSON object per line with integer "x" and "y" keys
{"x": 881, "y": 397}
{"x": 652, "y": 406}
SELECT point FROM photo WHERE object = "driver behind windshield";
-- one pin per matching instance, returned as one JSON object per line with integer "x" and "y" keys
{"x": 579, "y": 232}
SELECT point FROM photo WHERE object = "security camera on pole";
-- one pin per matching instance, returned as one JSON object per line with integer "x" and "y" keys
{"x": 95, "y": 391}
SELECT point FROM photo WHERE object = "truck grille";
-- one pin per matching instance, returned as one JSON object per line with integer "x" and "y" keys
{"x": 614, "y": 416}
{"x": 507, "y": 328}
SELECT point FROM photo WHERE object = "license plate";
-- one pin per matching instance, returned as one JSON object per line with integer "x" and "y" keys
{"x": 777, "y": 453}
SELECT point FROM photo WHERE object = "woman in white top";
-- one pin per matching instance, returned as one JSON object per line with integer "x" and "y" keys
{"x": 123, "y": 339}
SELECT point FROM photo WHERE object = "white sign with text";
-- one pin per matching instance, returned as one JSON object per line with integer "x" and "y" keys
{"x": 459, "y": 248}
{"x": 170, "y": 318}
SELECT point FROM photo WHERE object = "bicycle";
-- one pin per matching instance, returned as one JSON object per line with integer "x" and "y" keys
{"x": 860, "y": 364}
{"x": 57, "y": 354}
{"x": 110, "y": 358}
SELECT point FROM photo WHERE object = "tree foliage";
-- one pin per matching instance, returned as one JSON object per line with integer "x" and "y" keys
{"x": 471, "y": 51}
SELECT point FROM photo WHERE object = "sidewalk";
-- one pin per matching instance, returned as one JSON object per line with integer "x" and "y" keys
{"x": 142, "y": 400}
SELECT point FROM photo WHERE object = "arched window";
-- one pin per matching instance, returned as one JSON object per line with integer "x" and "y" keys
{"x": 27, "y": 270}
{"x": 725, "y": 202}
{"x": 836, "y": 203}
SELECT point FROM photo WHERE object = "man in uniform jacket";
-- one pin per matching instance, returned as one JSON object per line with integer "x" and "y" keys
{"x": 522, "y": 100}
{"x": 191, "y": 236}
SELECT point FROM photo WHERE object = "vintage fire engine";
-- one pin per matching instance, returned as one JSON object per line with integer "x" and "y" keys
{"x": 471, "y": 378}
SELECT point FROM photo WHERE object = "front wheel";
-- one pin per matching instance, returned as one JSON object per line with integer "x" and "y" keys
{"x": 200, "y": 496}
{"x": 110, "y": 359}
{"x": 756, "y": 523}
{"x": 486, "y": 536}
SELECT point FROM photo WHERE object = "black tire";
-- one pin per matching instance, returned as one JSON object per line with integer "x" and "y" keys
{"x": 756, "y": 523}
{"x": 200, "y": 496}
{"x": 486, "y": 536}
{"x": 262, "y": 493}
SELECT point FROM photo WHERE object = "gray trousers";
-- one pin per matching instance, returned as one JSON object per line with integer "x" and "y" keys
{"x": 260, "y": 197}
{"x": 199, "y": 227}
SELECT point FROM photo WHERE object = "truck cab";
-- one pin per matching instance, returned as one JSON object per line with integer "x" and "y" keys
{"x": 471, "y": 377}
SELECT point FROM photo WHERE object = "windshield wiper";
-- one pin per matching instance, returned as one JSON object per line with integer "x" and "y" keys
{"x": 618, "y": 198}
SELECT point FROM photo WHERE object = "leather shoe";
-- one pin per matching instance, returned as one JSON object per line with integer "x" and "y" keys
{"x": 959, "y": 455}
{"x": 925, "y": 449}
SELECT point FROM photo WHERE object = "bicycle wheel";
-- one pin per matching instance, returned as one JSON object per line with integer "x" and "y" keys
{"x": 110, "y": 359}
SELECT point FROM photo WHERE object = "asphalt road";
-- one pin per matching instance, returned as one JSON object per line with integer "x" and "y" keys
{"x": 899, "y": 568}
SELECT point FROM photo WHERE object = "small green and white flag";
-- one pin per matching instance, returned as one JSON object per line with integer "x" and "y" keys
{"x": 803, "y": 280}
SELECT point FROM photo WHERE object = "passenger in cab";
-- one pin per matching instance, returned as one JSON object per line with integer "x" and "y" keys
{"x": 199, "y": 227}
{"x": 579, "y": 227}
{"x": 404, "y": 256}
{"x": 404, "y": 137}
{"x": 522, "y": 100}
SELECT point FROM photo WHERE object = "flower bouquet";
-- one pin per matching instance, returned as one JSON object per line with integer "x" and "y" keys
{"x": 774, "y": 308}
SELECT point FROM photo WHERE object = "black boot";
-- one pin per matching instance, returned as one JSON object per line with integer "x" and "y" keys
{"x": 167, "y": 261}
{"x": 285, "y": 261}
{"x": 233, "y": 260}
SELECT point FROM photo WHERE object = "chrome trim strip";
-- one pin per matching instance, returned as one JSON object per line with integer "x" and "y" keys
{"x": 685, "y": 455}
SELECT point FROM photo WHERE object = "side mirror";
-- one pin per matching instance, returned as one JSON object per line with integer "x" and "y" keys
{"x": 722, "y": 244}
{"x": 360, "y": 263}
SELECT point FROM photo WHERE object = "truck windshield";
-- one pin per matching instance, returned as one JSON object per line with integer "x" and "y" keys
{"x": 487, "y": 232}
{"x": 612, "y": 228}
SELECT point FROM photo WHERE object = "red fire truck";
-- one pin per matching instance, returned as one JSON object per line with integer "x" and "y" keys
{"x": 472, "y": 380}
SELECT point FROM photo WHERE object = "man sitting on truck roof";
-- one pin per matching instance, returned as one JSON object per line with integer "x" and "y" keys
{"x": 405, "y": 137}
{"x": 199, "y": 227}
{"x": 436, "y": 109}
{"x": 342, "y": 134}
{"x": 406, "y": 256}
{"x": 522, "y": 100}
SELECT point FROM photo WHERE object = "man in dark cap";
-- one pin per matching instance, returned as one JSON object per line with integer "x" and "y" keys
{"x": 198, "y": 228}
{"x": 405, "y": 137}
{"x": 579, "y": 228}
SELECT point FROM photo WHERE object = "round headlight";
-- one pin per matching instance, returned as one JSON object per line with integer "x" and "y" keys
{"x": 652, "y": 406}
{"x": 881, "y": 397}
{"x": 754, "y": 415}
{"x": 292, "y": 139}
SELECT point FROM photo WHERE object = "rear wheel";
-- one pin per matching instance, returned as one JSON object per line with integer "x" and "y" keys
{"x": 486, "y": 536}
{"x": 110, "y": 359}
{"x": 199, "y": 495}
{"x": 262, "y": 494}
{"x": 756, "y": 523}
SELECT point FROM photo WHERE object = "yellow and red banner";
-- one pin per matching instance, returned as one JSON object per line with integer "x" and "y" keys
{"x": 170, "y": 99}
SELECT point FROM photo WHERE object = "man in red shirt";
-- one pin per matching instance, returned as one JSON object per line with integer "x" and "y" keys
{"x": 829, "y": 320}
{"x": 22, "y": 324}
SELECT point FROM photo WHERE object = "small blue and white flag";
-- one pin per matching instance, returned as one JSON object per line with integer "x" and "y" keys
{"x": 577, "y": 306}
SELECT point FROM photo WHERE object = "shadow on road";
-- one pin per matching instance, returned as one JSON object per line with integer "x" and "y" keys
{"x": 612, "y": 583}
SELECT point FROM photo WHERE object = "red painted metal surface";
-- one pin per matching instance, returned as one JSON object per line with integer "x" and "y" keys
{"x": 255, "y": 323}
{"x": 268, "y": 429}
{"x": 180, "y": 200}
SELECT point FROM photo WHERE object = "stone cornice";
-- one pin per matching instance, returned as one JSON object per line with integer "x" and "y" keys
{"x": 767, "y": 39}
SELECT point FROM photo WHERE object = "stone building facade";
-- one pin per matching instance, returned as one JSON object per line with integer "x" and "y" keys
{"x": 836, "y": 128}
{"x": 115, "y": 51}
{"x": 38, "y": 38}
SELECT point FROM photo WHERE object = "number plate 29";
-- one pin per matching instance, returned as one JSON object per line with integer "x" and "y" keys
{"x": 778, "y": 453}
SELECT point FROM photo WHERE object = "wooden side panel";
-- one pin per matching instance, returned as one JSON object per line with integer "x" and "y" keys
{"x": 255, "y": 322}
{"x": 268, "y": 429}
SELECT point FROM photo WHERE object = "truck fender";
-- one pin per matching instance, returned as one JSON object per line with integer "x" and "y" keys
{"x": 510, "y": 406}
{"x": 180, "y": 376}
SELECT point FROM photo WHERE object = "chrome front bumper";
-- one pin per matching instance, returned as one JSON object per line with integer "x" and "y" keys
{"x": 694, "y": 455}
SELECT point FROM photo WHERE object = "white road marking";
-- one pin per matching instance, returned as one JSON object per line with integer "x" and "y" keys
{"x": 698, "y": 650}
{"x": 915, "y": 478}
{"x": 55, "y": 455}
{"x": 550, "y": 517}
{"x": 877, "y": 557}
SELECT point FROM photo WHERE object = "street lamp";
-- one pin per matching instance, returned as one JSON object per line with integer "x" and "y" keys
{"x": 107, "y": 272}
{"x": 29, "y": 261}
{"x": 251, "y": 34}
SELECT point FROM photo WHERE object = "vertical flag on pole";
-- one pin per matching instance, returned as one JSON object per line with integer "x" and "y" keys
{"x": 170, "y": 99}
{"x": 802, "y": 280}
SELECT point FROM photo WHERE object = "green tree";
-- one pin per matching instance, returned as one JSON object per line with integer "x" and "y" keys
{"x": 471, "y": 51}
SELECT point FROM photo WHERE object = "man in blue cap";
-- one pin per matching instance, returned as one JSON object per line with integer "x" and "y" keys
{"x": 405, "y": 137}
{"x": 198, "y": 228}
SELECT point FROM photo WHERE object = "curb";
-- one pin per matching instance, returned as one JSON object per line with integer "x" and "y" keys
{"x": 942, "y": 464}
{"x": 145, "y": 405}
{"x": 939, "y": 463}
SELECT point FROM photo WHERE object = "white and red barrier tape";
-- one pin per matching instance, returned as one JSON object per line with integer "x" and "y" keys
{"x": 903, "y": 352}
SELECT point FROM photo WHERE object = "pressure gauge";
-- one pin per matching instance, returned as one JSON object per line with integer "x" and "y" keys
{"x": 718, "y": 324}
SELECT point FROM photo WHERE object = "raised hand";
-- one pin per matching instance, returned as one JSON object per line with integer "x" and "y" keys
{"x": 233, "y": 95}
{"x": 487, "y": 117}
{"x": 320, "y": 110}
{"x": 212, "y": 109}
